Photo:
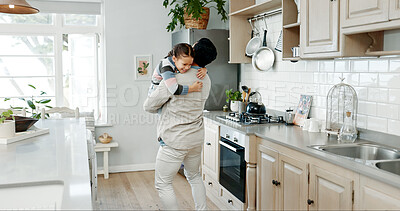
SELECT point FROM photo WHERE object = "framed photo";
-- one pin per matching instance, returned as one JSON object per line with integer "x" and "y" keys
{"x": 302, "y": 109}
{"x": 143, "y": 67}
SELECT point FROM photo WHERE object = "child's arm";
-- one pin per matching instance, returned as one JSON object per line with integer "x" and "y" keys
{"x": 168, "y": 75}
{"x": 196, "y": 87}
{"x": 201, "y": 73}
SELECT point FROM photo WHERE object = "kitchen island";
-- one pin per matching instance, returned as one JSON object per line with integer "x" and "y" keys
{"x": 56, "y": 162}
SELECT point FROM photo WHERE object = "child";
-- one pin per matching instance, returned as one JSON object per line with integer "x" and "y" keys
{"x": 179, "y": 59}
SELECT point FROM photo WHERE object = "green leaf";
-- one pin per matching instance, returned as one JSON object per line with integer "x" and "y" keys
{"x": 21, "y": 98}
{"x": 31, "y": 104}
{"x": 139, "y": 69}
{"x": 48, "y": 106}
{"x": 44, "y": 101}
{"x": 17, "y": 108}
{"x": 42, "y": 93}
{"x": 32, "y": 86}
{"x": 7, "y": 99}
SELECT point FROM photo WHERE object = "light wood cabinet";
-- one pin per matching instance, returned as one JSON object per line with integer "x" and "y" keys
{"x": 211, "y": 150}
{"x": 378, "y": 196}
{"x": 281, "y": 181}
{"x": 394, "y": 9}
{"x": 361, "y": 12}
{"x": 319, "y": 29}
{"x": 329, "y": 191}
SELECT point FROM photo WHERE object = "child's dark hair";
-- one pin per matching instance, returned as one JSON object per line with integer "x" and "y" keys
{"x": 181, "y": 50}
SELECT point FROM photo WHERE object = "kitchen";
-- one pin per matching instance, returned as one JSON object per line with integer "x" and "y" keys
{"x": 138, "y": 28}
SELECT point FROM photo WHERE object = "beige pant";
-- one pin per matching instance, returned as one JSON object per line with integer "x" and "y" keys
{"x": 168, "y": 163}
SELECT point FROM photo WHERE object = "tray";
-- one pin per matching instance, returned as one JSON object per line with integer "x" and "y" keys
{"x": 32, "y": 132}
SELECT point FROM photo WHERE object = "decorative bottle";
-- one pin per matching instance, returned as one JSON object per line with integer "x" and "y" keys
{"x": 348, "y": 132}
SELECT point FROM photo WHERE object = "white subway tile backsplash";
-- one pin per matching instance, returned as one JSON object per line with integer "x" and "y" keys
{"x": 394, "y": 65}
{"x": 389, "y": 111}
{"x": 394, "y": 127}
{"x": 394, "y": 96}
{"x": 362, "y": 121}
{"x": 312, "y": 66}
{"x": 352, "y": 79}
{"x": 369, "y": 79}
{"x": 359, "y": 66}
{"x": 362, "y": 93}
{"x": 367, "y": 108}
{"x": 334, "y": 78}
{"x": 378, "y": 65}
{"x": 389, "y": 80}
{"x": 326, "y": 66}
{"x": 377, "y": 124}
{"x": 378, "y": 95}
{"x": 342, "y": 66}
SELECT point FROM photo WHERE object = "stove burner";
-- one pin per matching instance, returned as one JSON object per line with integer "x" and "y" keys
{"x": 249, "y": 119}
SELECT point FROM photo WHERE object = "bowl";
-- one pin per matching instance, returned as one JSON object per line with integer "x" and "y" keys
{"x": 105, "y": 138}
{"x": 23, "y": 123}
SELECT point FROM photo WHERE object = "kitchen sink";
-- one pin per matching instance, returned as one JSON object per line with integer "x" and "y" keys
{"x": 390, "y": 166}
{"x": 363, "y": 151}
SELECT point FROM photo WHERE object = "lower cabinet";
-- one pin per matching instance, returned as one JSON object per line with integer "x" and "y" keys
{"x": 376, "y": 195}
{"x": 290, "y": 180}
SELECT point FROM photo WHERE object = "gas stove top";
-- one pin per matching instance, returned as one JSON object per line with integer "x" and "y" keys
{"x": 245, "y": 119}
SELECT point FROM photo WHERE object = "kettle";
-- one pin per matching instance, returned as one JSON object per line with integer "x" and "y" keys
{"x": 255, "y": 106}
{"x": 289, "y": 116}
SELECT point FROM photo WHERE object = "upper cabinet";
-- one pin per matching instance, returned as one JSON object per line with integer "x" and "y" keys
{"x": 361, "y": 12}
{"x": 319, "y": 27}
{"x": 394, "y": 9}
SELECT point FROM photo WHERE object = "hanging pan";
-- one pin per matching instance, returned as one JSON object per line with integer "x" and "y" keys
{"x": 264, "y": 57}
{"x": 254, "y": 43}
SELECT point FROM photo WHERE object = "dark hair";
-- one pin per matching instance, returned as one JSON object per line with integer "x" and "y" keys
{"x": 181, "y": 50}
{"x": 205, "y": 52}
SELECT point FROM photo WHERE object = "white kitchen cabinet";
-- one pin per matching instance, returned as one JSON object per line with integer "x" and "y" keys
{"x": 319, "y": 31}
{"x": 394, "y": 9}
{"x": 211, "y": 150}
{"x": 282, "y": 181}
{"x": 329, "y": 191}
{"x": 375, "y": 195}
{"x": 361, "y": 12}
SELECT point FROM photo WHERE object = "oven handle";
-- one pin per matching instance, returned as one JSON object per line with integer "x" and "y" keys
{"x": 230, "y": 147}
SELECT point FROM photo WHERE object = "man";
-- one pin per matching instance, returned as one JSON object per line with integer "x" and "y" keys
{"x": 181, "y": 130}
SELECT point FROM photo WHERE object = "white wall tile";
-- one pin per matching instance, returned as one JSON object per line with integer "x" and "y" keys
{"x": 359, "y": 66}
{"x": 362, "y": 121}
{"x": 378, "y": 95}
{"x": 377, "y": 124}
{"x": 326, "y": 66}
{"x": 369, "y": 79}
{"x": 393, "y": 127}
{"x": 394, "y": 96}
{"x": 378, "y": 65}
{"x": 352, "y": 79}
{"x": 389, "y": 80}
{"x": 342, "y": 66}
{"x": 394, "y": 65}
{"x": 362, "y": 93}
{"x": 389, "y": 111}
{"x": 367, "y": 108}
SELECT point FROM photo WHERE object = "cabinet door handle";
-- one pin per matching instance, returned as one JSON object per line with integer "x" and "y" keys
{"x": 309, "y": 201}
{"x": 227, "y": 136}
{"x": 208, "y": 143}
{"x": 276, "y": 183}
{"x": 230, "y": 201}
{"x": 209, "y": 183}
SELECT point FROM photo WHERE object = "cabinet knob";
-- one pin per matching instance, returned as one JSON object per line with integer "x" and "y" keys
{"x": 209, "y": 183}
{"x": 309, "y": 201}
{"x": 208, "y": 143}
{"x": 230, "y": 201}
{"x": 276, "y": 183}
{"x": 227, "y": 136}
{"x": 235, "y": 139}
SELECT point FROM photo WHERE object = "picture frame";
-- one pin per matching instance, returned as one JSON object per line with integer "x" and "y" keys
{"x": 143, "y": 67}
{"x": 303, "y": 109}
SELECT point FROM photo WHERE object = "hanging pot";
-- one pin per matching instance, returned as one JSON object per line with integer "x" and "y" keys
{"x": 201, "y": 23}
{"x": 255, "y": 42}
{"x": 263, "y": 59}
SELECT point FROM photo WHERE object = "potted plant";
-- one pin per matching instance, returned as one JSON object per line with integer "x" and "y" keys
{"x": 7, "y": 127}
{"x": 235, "y": 98}
{"x": 193, "y": 13}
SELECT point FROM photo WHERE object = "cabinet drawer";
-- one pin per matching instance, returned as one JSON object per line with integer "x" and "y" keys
{"x": 230, "y": 201}
{"x": 212, "y": 186}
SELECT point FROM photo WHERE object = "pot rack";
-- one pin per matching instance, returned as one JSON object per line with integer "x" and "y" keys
{"x": 267, "y": 14}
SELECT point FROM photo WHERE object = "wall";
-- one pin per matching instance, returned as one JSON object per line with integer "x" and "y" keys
{"x": 134, "y": 27}
{"x": 377, "y": 82}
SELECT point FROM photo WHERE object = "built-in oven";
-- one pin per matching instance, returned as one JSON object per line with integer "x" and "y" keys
{"x": 232, "y": 173}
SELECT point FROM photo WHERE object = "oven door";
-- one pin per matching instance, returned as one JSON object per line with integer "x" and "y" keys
{"x": 232, "y": 173}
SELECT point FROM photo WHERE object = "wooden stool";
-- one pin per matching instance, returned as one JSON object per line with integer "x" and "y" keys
{"x": 105, "y": 148}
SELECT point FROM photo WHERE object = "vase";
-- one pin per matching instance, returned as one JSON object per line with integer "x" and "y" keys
{"x": 234, "y": 106}
{"x": 201, "y": 23}
{"x": 7, "y": 129}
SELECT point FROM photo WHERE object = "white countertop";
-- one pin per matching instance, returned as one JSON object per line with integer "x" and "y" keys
{"x": 60, "y": 156}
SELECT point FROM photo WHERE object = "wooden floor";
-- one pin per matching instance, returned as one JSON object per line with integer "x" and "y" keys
{"x": 136, "y": 191}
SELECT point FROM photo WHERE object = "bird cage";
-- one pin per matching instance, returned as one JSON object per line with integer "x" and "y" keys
{"x": 341, "y": 99}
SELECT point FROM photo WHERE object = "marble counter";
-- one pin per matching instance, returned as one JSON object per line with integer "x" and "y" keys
{"x": 295, "y": 138}
{"x": 59, "y": 157}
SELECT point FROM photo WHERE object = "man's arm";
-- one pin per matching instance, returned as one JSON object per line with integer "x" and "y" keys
{"x": 157, "y": 99}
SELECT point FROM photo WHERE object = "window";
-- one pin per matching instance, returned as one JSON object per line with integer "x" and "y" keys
{"x": 59, "y": 54}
